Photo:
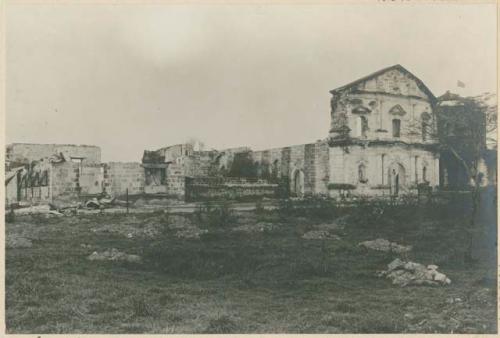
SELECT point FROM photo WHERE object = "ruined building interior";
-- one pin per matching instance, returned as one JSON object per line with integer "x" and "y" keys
{"x": 380, "y": 143}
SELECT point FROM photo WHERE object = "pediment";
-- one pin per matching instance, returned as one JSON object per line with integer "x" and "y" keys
{"x": 397, "y": 110}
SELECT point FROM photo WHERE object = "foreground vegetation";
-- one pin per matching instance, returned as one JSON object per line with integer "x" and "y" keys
{"x": 248, "y": 272}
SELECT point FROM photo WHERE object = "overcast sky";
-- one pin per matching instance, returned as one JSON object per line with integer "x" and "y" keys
{"x": 135, "y": 77}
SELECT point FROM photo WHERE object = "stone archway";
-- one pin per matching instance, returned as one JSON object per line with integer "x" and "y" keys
{"x": 396, "y": 178}
{"x": 297, "y": 188}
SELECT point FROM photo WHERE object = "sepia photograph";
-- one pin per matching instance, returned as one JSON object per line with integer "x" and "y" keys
{"x": 250, "y": 168}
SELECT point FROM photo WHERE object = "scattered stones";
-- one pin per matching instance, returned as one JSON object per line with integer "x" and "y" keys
{"x": 257, "y": 227}
{"x": 132, "y": 229}
{"x": 320, "y": 234}
{"x": 395, "y": 264}
{"x": 86, "y": 246}
{"x": 190, "y": 233}
{"x": 329, "y": 226}
{"x": 114, "y": 255}
{"x": 33, "y": 209}
{"x": 384, "y": 245}
{"x": 410, "y": 273}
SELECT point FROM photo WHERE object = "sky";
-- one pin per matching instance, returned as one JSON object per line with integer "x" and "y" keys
{"x": 130, "y": 77}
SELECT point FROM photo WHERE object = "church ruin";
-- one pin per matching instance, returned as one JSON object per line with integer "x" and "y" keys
{"x": 381, "y": 142}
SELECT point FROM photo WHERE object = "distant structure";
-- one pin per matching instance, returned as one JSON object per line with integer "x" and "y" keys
{"x": 381, "y": 142}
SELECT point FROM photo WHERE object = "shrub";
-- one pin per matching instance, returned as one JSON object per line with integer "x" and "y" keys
{"x": 211, "y": 215}
{"x": 10, "y": 217}
{"x": 259, "y": 208}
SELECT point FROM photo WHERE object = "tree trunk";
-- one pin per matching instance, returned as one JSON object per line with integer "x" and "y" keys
{"x": 476, "y": 200}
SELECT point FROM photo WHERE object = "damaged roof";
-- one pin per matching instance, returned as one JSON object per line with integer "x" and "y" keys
{"x": 398, "y": 67}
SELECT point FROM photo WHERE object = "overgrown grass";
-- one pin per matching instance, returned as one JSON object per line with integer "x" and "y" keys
{"x": 234, "y": 282}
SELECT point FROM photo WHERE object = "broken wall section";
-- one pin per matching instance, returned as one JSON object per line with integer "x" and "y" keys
{"x": 28, "y": 152}
{"x": 209, "y": 188}
{"x": 120, "y": 176}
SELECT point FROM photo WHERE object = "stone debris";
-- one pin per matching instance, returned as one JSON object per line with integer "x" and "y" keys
{"x": 132, "y": 229}
{"x": 33, "y": 209}
{"x": 386, "y": 246}
{"x": 190, "y": 233}
{"x": 114, "y": 255}
{"x": 409, "y": 273}
{"x": 18, "y": 242}
{"x": 92, "y": 204}
{"x": 330, "y": 226}
{"x": 320, "y": 234}
{"x": 256, "y": 227}
{"x": 99, "y": 203}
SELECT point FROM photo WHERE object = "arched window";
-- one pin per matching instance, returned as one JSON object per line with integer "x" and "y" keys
{"x": 424, "y": 131}
{"x": 275, "y": 169}
{"x": 364, "y": 125}
{"x": 396, "y": 128}
{"x": 362, "y": 173}
{"x": 425, "y": 125}
{"x": 424, "y": 174}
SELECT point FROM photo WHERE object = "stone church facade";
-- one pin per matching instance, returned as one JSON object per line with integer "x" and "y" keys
{"x": 382, "y": 135}
{"x": 381, "y": 142}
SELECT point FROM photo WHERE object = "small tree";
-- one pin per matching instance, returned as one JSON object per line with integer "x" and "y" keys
{"x": 462, "y": 129}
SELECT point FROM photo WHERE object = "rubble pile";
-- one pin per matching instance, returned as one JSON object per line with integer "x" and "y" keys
{"x": 113, "y": 255}
{"x": 256, "y": 227}
{"x": 191, "y": 232}
{"x": 131, "y": 229}
{"x": 409, "y": 273}
{"x": 320, "y": 234}
{"x": 384, "y": 245}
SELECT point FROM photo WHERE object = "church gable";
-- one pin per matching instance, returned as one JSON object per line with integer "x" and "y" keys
{"x": 395, "y": 80}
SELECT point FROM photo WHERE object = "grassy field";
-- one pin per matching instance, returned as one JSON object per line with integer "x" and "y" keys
{"x": 248, "y": 272}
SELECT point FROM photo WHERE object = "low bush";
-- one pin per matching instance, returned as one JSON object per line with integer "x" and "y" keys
{"x": 215, "y": 216}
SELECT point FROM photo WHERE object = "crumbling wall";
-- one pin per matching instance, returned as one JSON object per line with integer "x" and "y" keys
{"x": 120, "y": 176}
{"x": 11, "y": 190}
{"x": 64, "y": 180}
{"x": 91, "y": 179}
{"x": 282, "y": 163}
{"x": 175, "y": 181}
{"x": 199, "y": 163}
{"x": 28, "y": 152}
{"x": 206, "y": 188}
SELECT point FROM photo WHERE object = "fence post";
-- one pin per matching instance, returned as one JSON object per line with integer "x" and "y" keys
{"x": 127, "y": 200}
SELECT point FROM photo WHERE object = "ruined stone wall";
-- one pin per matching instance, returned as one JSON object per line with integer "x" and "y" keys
{"x": 91, "y": 179}
{"x": 171, "y": 153}
{"x": 11, "y": 191}
{"x": 64, "y": 180}
{"x": 206, "y": 188}
{"x": 199, "y": 163}
{"x": 175, "y": 181}
{"x": 27, "y": 152}
{"x": 120, "y": 176}
{"x": 312, "y": 159}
